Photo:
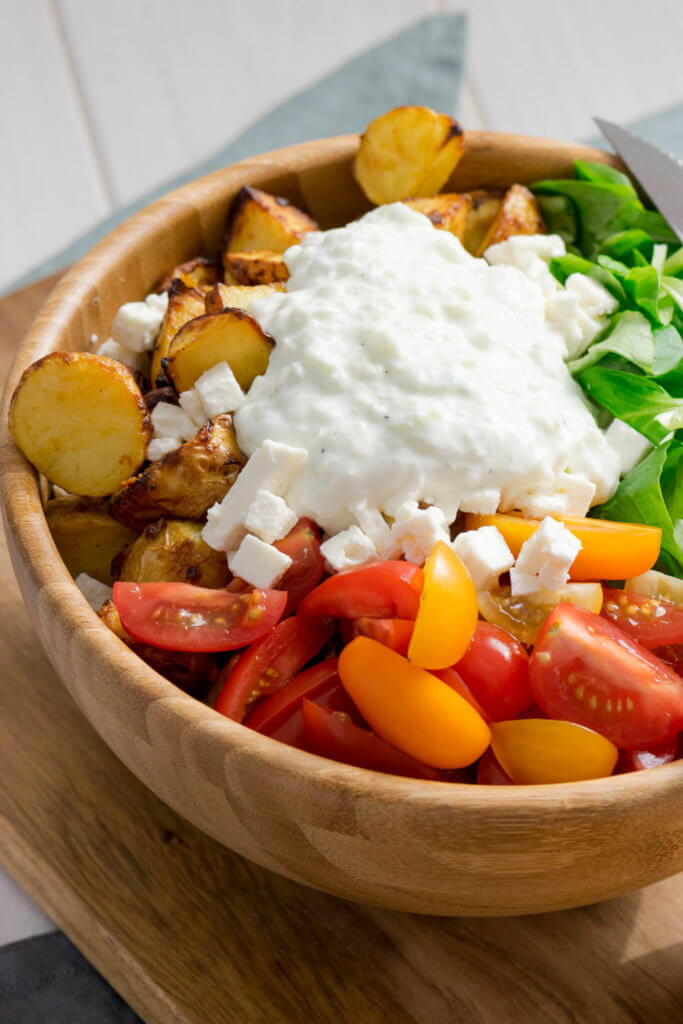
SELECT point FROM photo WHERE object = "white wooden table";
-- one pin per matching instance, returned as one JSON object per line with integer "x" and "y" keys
{"x": 102, "y": 101}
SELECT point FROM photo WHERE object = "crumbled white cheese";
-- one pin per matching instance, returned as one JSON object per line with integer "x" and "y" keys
{"x": 485, "y": 555}
{"x": 417, "y": 530}
{"x": 170, "y": 421}
{"x": 629, "y": 445}
{"x": 531, "y": 254}
{"x": 576, "y": 327}
{"x": 272, "y": 467}
{"x": 257, "y": 563}
{"x": 93, "y": 591}
{"x": 111, "y": 349}
{"x": 219, "y": 391}
{"x": 348, "y": 549}
{"x": 269, "y": 517}
{"x": 593, "y": 297}
{"x": 545, "y": 559}
{"x": 137, "y": 324}
{"x": 374, "y": 525}
{"x": 568, "y": 495}
{"x": 160, "y": 446}
{"x": 191, "y": 403}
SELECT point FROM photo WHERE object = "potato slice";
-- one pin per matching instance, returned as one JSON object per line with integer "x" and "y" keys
{"x": 194, "y": 273}
{"x": 86, "y": 536}
{"x": 232, "y": 335}
{"x": 448, "y": 212}
{"x": 258, "y": 220}
{"x": 519, "y": 214}
{"x": 184, "y": 304}
{"x": 184, "y": 483}
{"x": 483, "y": 210}
{"x": 81, "y": 420}
{"x": 235, "y": 296}
{"x": 193, "y": 673}
{"x": 173, "y": 550}
{"x": 408, "y": 152}
{"x": 253, "y": 268}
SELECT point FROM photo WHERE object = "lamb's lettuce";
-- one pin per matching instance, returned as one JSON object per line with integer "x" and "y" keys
{"x": 638, "y": 401}
{"x": 630, "y": 335}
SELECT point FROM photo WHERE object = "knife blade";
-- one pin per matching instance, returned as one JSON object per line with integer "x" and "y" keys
{"x": 660, "y": 174}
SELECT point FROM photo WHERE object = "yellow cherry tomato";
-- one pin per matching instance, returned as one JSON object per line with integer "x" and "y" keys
{"x": 410, "y": 707}
{"x": 447, "y": 614}
{"x": 524, "y": 616}
{"x": 609, "y": 551}
{"x": 534, "y": 751}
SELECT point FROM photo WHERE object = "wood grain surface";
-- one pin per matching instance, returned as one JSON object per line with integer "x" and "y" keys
{"x": 190, "y": 933}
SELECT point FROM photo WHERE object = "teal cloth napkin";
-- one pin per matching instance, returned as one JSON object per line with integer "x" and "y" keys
{"x": 422, "y": 64}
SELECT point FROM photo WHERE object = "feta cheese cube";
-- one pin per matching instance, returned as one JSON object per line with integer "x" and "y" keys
{"x": 629, "y": 445}
{"x": 272, "y": 467}
{"x": 219, "y": 390}
{"x": 137, "y": 324}
{"x": 269, "y": 517}
{"x": 568, "y": 495}
{"x": 416, "y": 530}
{"x": 482, "y": 503}
{"x": 93, "y": 591}
{"x": 111, "y": 349}
{"x": 160, "y": 446}
{"x": 170, "y": 421}
{"x": 258, "y": 563}
{"x": 545, "y": 559}
{"x": 191, "y": 403}
{"x": 374, "y": 525}
{"x": 347, "y": 549}
{"x": 484, "y": 554}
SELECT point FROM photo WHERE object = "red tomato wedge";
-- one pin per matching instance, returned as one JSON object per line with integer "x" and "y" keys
{"x": 609, "y": 550}
{"x": 302, "y": 545}
{"x": 182, "y": 617}
{"x": 585, "y": 670}
{"x": 651, "y": 621}
{"x": 269, "y": 664}
{"x": 333, "y": 734}
{"x": 495, "y": 669}
{"x": 490, "y": 773}
{"x": 309, "y": 684}
{"x": 383, "y": 590}
{"x": 394, "y": 633}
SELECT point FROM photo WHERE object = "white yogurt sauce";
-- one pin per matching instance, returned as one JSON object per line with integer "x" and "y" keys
{"x": 411, "y": 371}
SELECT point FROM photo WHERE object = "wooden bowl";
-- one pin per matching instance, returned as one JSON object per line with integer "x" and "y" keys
{"x": 418, "y": 846}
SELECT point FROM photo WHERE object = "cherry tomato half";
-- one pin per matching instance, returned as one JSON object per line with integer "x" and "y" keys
{"x": 182, "y": 617}
{"x": 452, "y": 679}
{"x": 411, "y": 708}
{"x": 495, "y": 669}
{"x": 302, "y": 545}
{"x": 393, "y": 633}
{"x": 609, "y": 551}
{"x": 447, "y": 614}
{"x": 332, "y": 734}
{"x": 383, "y": 590}
{"x": 641, "y": 760}
{"x": 649, "y": 620}
{"x": 309, "y": 684}
{"x": 490, "y": 773}
{"x": 586, "y": 670}
{"x": 269, "y": 664}
{"x": 534, "y": 751}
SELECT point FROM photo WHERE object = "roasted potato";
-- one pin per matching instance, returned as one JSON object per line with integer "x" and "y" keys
{"x": 258, "y": 220}
{"x": 184, "y": 304}
{"x": 447, "y": 211}
{"x": 191, "y": 672}
{"x": 194, "y": 273}
{"x": 86, "y": 536}
{"x": 407, "y": 153}
{"x": 481, "y": 214}
{"x": 81, "y": 420}
{"x": 232, "y": 335}
{"x": 173, "y": 550}
{"x": 184, "y": 483}
{"x": 234, "y": 296}
{"x": 252, "y": 268}
{"x": 518, "y": 215}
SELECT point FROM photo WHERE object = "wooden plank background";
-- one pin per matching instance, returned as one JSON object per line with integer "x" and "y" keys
{"x": 103, "y": 101}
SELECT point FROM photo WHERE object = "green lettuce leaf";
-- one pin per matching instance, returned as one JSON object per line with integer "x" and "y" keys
{"x": 635, "y": 399}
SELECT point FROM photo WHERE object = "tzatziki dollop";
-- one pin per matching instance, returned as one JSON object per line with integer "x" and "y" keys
{"x": 411, "y": 371}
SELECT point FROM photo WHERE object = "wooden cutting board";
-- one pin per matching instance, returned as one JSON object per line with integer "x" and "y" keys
{"x": 190, "y": 933}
